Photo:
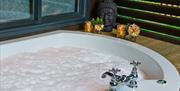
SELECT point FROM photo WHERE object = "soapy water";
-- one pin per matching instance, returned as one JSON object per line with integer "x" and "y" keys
{"x": 60, "y": 69}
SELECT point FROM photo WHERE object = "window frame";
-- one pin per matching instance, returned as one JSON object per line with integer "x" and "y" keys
{"x": 37, "y": 24}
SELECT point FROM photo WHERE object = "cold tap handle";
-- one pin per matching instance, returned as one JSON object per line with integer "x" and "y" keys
{"x": 135, "y": 63}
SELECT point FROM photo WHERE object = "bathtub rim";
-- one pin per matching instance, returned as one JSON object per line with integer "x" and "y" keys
{"x": 172, "y": 79}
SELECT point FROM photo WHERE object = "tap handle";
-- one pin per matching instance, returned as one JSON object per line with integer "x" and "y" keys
{"x": 115, "y": 70}
{"x": 112, "y": 73}
{"x": 135, "y": 63}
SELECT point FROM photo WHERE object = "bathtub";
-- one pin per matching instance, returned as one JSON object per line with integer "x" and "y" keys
{"x": 154, "y": 65}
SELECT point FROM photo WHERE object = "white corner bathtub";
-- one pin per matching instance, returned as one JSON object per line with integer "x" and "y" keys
{"x": 153, "y": 64}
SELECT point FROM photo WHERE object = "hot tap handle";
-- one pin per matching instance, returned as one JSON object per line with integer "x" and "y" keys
{"x": 112, "y": 73}
{"x": 115, "y": 70}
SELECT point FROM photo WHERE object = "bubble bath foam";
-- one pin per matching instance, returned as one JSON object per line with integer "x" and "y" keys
{"x": 60, "y": 69}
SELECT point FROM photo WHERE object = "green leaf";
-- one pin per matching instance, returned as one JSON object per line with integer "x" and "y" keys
{"x": 97, "y": 20}
{"x": 101, "y": 21}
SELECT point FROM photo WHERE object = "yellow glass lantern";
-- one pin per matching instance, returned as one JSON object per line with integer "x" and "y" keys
{"x": 121, "y": 31}
{"x": 88, "y": 27}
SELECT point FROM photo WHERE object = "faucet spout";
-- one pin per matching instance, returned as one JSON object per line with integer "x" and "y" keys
{"x": 107, "y": 73}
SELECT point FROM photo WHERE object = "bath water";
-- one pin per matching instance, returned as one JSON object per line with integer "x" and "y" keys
{"x": 60, "y": 69}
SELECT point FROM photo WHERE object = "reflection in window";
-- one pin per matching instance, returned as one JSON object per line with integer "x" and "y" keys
{"x": 14, "y": 10}
{"x": 54, "y": 7}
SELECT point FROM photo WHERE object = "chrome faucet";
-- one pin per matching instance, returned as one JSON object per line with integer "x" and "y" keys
{"x": 130, "y": 80}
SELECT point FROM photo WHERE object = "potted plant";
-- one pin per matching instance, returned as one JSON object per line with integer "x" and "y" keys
{"x": 98, "y": 24}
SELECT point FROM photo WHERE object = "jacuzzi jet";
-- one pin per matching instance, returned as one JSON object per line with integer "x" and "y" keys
{"x": 162, "y": 82}
{"x": 124, "y": 82}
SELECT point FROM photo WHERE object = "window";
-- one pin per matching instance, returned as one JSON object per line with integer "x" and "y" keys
{"x": 158, "y": 18}
{"x": 21, "y": 17}
{"x": 19, "y": 10}
{"x": 55, "y": 7}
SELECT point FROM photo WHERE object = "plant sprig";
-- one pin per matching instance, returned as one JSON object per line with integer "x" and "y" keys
{"x": 97, "y": 21}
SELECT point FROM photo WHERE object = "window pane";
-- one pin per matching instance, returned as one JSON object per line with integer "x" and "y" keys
{"x": 54, "y": 7}
{"x": 14, "y": 10}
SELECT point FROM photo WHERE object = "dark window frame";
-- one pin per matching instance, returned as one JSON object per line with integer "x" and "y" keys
{"x": 37, "y": 24}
